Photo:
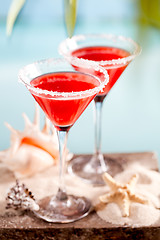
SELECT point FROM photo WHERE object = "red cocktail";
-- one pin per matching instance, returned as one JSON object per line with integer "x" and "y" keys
{"x": 63, "y": 112}
{"x": 103, "y": 53}
{"x": 63, "y": 94}
{"x": 114, "y": 53}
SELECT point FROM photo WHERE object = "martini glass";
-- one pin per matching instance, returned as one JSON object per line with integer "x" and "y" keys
{"x": 63, "y": 94}
{"x": 114, "y": 53}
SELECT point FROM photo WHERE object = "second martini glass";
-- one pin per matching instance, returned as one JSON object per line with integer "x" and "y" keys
{"x": 63, "y": 94}
{"x": 114, "y": 53}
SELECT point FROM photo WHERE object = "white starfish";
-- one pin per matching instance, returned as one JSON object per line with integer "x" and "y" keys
{"x": 122, "y": 194}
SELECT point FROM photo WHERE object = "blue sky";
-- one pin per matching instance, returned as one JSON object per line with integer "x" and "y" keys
{"x": 49, "y": 10}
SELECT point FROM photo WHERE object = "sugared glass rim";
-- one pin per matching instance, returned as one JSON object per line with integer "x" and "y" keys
{"x": 23, "y": 78}
{"x": 64, "y": 48}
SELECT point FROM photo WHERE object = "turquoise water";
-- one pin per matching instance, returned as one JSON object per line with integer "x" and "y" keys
{"x": 131, "y": 112}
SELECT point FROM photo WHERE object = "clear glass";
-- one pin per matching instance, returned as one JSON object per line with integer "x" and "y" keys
{"x": 91, "y": 168}
{"x": 62, "y": 208}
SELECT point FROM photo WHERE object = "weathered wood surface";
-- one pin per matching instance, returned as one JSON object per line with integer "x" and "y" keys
{"x": 27, "y": 226}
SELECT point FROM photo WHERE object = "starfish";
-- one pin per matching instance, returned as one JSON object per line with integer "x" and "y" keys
{"x": 122, "y": 194}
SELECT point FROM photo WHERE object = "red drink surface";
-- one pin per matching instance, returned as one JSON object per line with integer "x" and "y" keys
{"x": 103, "y": 53}
{"x": 64, "y": 111}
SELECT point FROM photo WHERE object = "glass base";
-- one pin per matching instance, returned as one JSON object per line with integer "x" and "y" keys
{"x": 90, "y": 170}
{"x": 63, "y": 211}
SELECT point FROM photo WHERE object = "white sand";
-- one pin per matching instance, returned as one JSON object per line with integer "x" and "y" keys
{"x": 46, "y": 183}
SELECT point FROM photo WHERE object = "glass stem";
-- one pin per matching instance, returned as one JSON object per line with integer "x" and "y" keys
{"x": 98, "y": 116}
{"x": 62, "y": 138}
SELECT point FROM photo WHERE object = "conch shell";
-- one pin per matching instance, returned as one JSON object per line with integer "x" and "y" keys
{"x": 32, "y": 150}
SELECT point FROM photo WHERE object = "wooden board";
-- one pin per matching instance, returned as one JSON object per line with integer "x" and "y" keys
{"x": 27, "y": 226}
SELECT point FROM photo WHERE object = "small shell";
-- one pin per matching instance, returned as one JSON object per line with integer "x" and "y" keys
{"x": 31, "y": 150}
{"x": 20, "y": 198}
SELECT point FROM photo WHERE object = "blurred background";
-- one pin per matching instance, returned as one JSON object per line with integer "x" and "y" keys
{"x": 131, "y": 111}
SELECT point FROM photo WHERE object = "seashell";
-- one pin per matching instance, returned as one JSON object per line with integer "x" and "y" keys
{"x": 32, "y": 150}
{"x": 20, "y": 198}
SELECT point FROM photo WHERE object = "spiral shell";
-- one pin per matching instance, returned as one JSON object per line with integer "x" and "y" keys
{"x": 32, "y": 150}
